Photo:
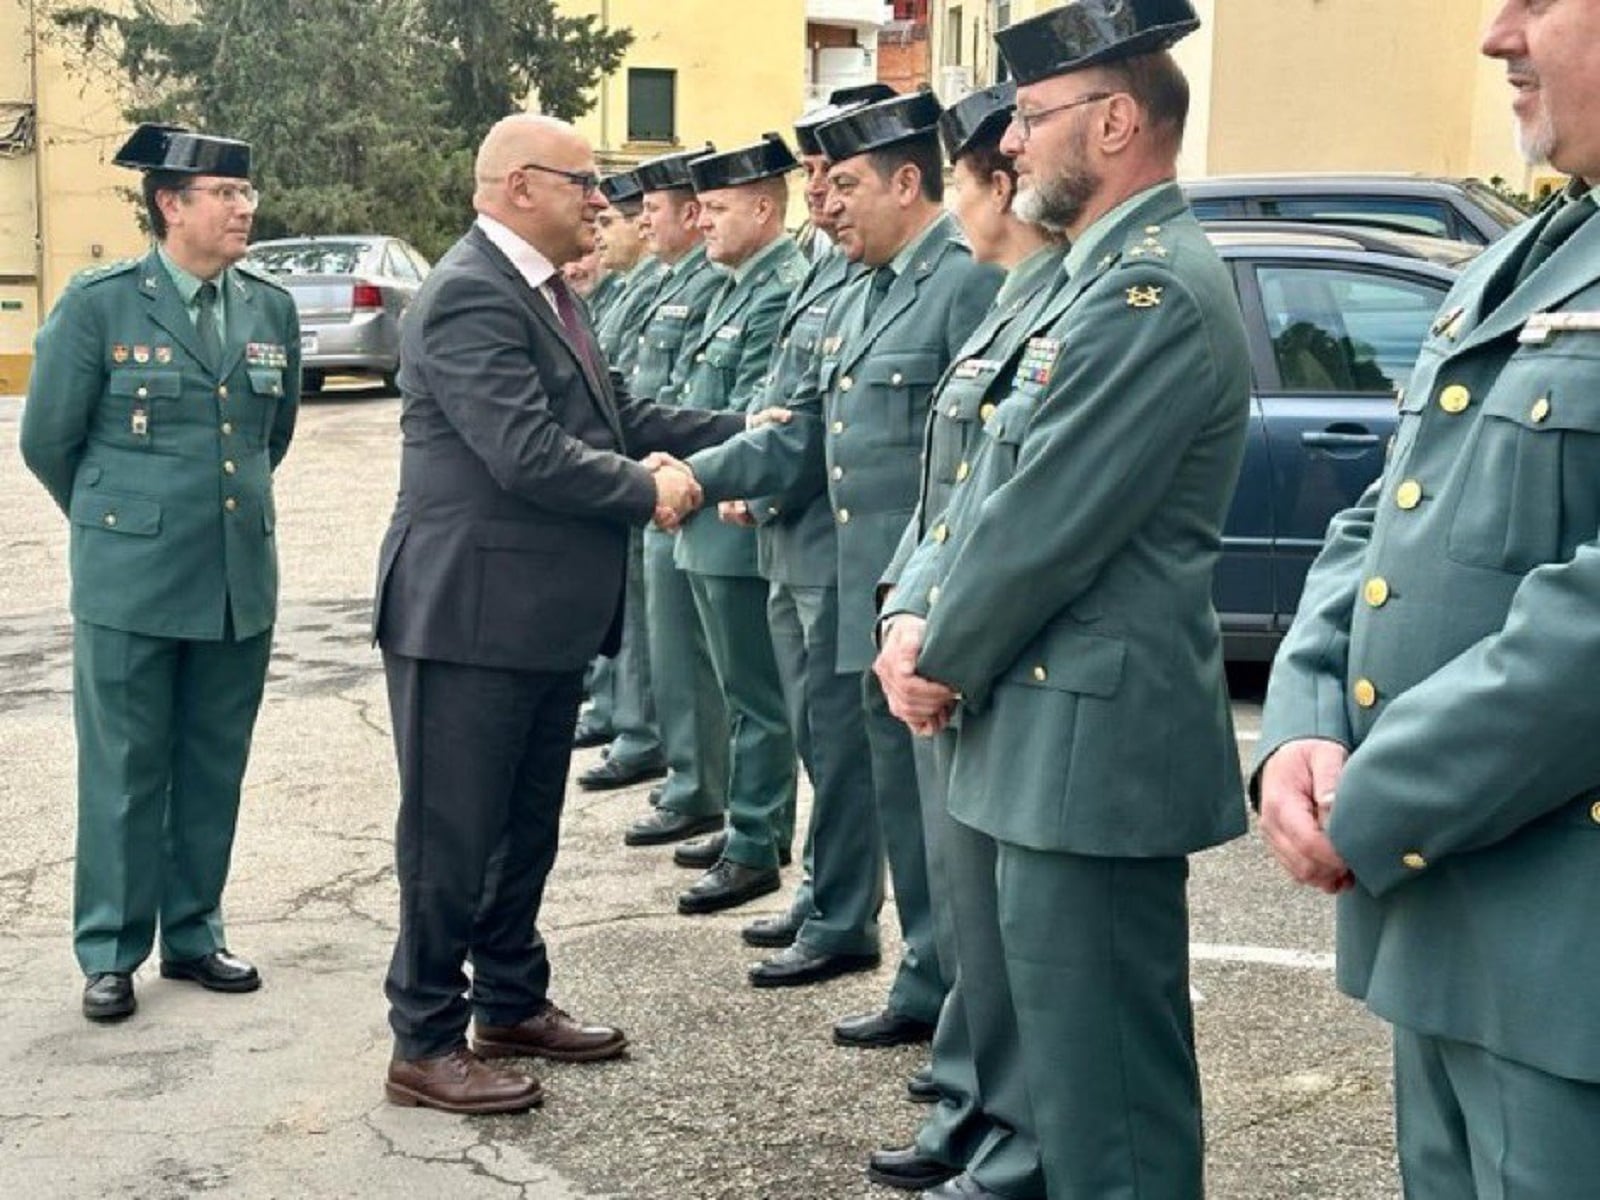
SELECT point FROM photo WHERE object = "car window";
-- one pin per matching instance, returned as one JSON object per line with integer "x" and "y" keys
{"x": 397, "y": 263}
{"x": 1345, "y": 329}
{"x": 308, "y": 258}
{"x": 1212, "y": 210}
{"x": 420, "y": 263}
{"x": 1432, "y": 217}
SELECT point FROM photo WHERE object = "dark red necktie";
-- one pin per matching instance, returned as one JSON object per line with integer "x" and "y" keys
{"x": 577, "y": 328}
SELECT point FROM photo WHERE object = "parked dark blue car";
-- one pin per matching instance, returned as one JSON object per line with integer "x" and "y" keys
{"x": 1335, "y": 319}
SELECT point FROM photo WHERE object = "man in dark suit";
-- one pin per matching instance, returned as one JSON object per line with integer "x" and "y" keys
{"x": 501, "y": 575}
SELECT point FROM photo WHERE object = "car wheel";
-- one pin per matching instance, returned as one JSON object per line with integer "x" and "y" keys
{"x": 312, "y": 381}
{"x": 391, "y": 382}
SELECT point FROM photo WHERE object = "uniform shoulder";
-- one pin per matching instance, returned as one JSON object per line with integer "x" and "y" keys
{"x": 91, "y": 276}
{"x": 260, "y": 276}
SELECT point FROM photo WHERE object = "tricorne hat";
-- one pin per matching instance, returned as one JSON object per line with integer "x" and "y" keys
{"x": 769, "y": 158}
{"x": 874, "y": 126}
{"x": 840, "y": 101}
{"x": 978, "y": 120}
{"x": 174, "y": 148}
{"x": 670, "y": 172}
{"x": 1088, "y": 32}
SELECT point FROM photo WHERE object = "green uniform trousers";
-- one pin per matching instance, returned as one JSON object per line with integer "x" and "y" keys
{"x": 1474, "y": 1126}
{"x": 1097, "y": 1060}
{"x": 600, "y": 685}
{"x": 689, "y": 709}
{"x": 633, "y": 711}
{"x": 163, "y": 729}
{"x": 990, "y": 1138}
{"x": 844, "y": 846}
{"x": 760, "y": 748}
{"x": 918, "y": 990}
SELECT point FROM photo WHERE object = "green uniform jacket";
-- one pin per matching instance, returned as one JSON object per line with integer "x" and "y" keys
{"x": 862, "y": 415}
{"x": 162, "y": 463}
{"x": 962, "y": 402}
{"x": 620, "y": 330}
{"x": 1068, "y": 588}
{"x": 1448, "y": 635}
{"x": 677, "y": 310}
{"x": 726, "y": 364}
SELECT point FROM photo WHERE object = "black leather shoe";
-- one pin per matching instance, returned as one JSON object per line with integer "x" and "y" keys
{"x": 727, "y": 885}
{"x": 960, "y": 1187}
{"x": 908, "y": 1169}
{"x": 921, "y": 1088}
{"x": 773, "y": 933}
{"x": 586, "y": 735}
{"x": 884, "y": 1028}
{"x": 702, "y": 853}
{"x": 800, "y": 965}
{"x": 218, "y": 971}
{"x": 108, "y": 996}
{"x": 608, "y": 773}
{"x": 663, "y": 826}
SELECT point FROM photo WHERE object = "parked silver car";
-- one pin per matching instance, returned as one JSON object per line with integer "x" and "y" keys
{"x": 351, "y": 292}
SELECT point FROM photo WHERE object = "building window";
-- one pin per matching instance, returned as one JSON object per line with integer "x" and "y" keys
{"x": 952, "y": 36}
{"x": 652, "y": 104}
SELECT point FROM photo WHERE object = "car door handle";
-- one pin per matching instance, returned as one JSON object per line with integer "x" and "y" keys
{"x": 1333, "y": 439}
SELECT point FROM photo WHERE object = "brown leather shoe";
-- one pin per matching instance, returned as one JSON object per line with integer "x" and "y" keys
{"x": 549, "y": 1033}
{"x": 460, "y": 1082}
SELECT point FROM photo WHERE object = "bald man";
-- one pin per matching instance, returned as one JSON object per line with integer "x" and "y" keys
{"x": 518, "y": 458}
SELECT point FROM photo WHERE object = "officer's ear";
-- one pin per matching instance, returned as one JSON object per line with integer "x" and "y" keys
{"x": 906, "y": 182}
{"x": 690, "y": 214}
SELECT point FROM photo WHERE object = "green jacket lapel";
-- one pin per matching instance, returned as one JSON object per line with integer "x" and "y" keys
{"x": 166, "y": 307}
{"x": 1570, "y": 269}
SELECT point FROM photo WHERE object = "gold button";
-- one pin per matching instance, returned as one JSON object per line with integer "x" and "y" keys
{"x": 1594, "y": 812}
{"x": 1040, "y": 673}
{"x": 784, "y": 343}
{"x": 699, "y": 358}
{"x": 838, "y": 473}
{"x": 641, "y": 339}
{"x": 846, "y": 384}
{"x": 635, "y": 370}
{"x": 222, "y": 390}
{"x": 1414, "y": 861}
{"x": 1408, "y": 495}
{"x": 227, "y": 429}
{"x": 1376, "y": 592}
{"x": 143, "y": 391}
{"x": 227, "y": 466}
{"x": 1399, "y": 396}
{"x": 953, "y": 411}
{"x": 985, "y": 413}
{"x": 844, "y": 516}
{"x": 230, "y": 504}
{"x": 1540, "y": 410}
{"x": 941, "y": 531}
{"x": 110, "y": 518}
{"x": 277, "y": 389}
{"x": 1366, "y": 693}
{"x": 897, "y": 379}
{"x": 1455, "y": 398}
{"x": 772, "y": 510}
{"x": 838, "y": 426}
{"x": 933, "y": 595}
{"x": 962, "y": 471}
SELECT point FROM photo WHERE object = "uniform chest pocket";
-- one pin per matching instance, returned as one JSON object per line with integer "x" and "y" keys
{"x": 266, "y": 389}
{"x": 903, "y": 386}
{"x": 1529, "y": 494}
{"x": 144, "y": 408}
{"x": 958, "y": 417}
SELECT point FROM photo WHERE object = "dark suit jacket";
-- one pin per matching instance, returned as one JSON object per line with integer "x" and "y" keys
{"x": 510, "y": 533}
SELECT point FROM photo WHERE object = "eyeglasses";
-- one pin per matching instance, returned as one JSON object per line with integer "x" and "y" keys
{"x": 1029, "y": 121}
{"x": 228, "y": 193}
{"x": 587, "y": 180}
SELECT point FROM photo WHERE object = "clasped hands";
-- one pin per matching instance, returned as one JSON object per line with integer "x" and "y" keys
{"x": 1298, "y": 789}
{"x": 924, "y": 705}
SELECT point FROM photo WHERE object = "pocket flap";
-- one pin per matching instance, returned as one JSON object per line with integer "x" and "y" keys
{"x": 1082, "y": 663}
{"x": 141, "y": 384}
{"x": 1563, "y": 404}
{"x": 116, "y": 514}
{"x": 266, "y": 381}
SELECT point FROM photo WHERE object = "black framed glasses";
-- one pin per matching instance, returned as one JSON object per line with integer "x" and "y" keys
{"x": 587, "y": 180}
{"x": 1029, "y": 121}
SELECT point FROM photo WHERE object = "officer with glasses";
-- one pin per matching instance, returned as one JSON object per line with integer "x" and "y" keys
{"x": 163, "y": 397}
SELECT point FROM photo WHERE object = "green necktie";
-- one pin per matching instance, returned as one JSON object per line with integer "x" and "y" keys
{"x": 882, "y": 281}
{"x": 1572, "y": 214}
{"x": 206, "y": 326}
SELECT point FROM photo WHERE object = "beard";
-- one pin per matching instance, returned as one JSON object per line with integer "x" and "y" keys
{"x": 1536, "y": 143}
{"x": 1055, "y": 202}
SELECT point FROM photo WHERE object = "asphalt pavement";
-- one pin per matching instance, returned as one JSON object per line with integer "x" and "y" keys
{"x": 728, "y": 1093}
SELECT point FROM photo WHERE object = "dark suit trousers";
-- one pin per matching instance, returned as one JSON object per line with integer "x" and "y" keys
{"x": 483, "y": 768}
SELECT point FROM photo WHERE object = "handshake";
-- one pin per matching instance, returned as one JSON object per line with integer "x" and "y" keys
{"x": 678, "y": 493}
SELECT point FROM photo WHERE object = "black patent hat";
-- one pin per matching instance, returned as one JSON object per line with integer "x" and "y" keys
{"x": 840, "y": 101}
{"x": 622, "y": 191}
{"x": 874, "y": 126}
{"x": 1087, "y": 32}
{"x": 978, "y": 120}
{"x": 670, "y": 172}
{"x": 174, "y": 148}
{"x": 769, "y": 158}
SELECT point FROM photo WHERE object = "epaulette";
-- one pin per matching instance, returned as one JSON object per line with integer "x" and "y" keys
{"x": 92, "y": 275}
{"x": 1144, "y": 245}
{"x": 260, "y": 276}
{"x": 792, "y": 271}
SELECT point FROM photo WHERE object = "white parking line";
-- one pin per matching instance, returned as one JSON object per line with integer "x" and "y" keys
{"x": 1266, "y": 956}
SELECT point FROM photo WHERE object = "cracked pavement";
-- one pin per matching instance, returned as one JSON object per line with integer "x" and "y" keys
{"x": 727, "y": 1094}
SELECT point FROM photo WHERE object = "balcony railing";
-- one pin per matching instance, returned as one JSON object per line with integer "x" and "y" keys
{"x": 860, "y": 14}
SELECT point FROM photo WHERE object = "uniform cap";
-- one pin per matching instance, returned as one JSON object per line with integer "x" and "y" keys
{"x": 670, "y": 172}
{"x": 174, "y": 148}
{"x": 767, "y": 159}
{"x": 978, "y": 120}
{"x": 840, "y": 101}
{"x": 874, "y": 126}
{"x": 622, "y": 191}
{"x": 1088, "y": 32}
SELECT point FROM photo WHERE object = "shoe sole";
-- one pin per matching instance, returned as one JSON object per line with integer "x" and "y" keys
{"x": 701, "y": 826}
{"x": 211, "y": 985}
{"x": 407, "y": 1098}
{"x": 699, "y": 907}
{"x": 485, "y": 1049}
{"x": 905, "y": 1185}
{"x": 880, "y": 1043}
{"x": 111, "y": 1014}
{"x": 762, "y": 941}
{"x": 922, "y": 1097}
{"x": 611, "y": 785}
{"x": 806, "y": 979}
